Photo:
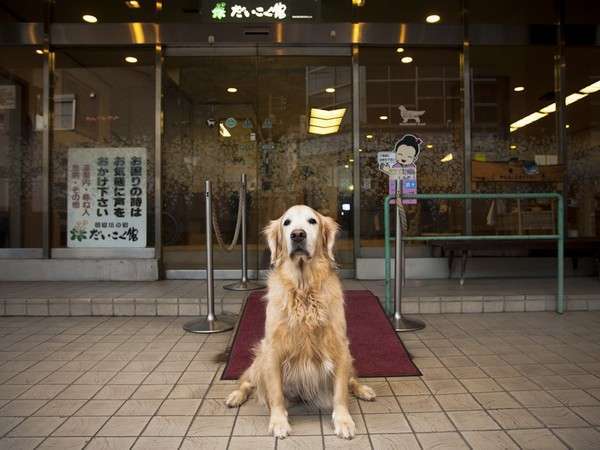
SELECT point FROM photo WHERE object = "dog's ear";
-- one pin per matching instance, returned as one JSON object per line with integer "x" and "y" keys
{"x": 272, "y": 233}
{"x": 329, "y": 229}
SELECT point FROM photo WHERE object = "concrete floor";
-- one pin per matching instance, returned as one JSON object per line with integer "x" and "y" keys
{"x": 507, "y": 380}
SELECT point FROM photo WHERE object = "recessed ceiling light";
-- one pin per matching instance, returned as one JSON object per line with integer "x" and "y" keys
{"x": 519, "y": 88}
{"x": 429, "y": 146}
{"x": 567, "y": 126}
{"x": 406, "y": 59}
{"x": 39, "y": 51}
{"x": 232, "y": 90}
{"x": 369, "y": 136}
{"x": 513, "y": 146}
{"x": 433, "y": 18}
{"x": 134, "y": 4}
{"x": 131, "y": 59}
{"x": 360, "y": 150}
{"x": 399, "y": 49}
{"x": 89, "y": 18}
{"x": 346, "y": 166}
{"x": 330, "y": 90}
{"x": 351, "y": 160}
{"x": 383, "y": 117}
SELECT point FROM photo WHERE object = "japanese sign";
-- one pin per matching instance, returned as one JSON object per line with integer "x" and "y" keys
{"x": 400, "y": 165}
{"x": 260, "y": 10}
{"x": 106, "y": 197}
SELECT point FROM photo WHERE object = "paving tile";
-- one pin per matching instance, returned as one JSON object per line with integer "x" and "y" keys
{"x": 535, "y": 399}
{"x": 558, "y": 417}
{"x": 394, "y": 442}
{"x": 493, "y": 400}
{"x": 579, "y": 438}
{"x": 212, "y": 426}
{"x": 489, "y": 440}
{"x": 300, "y": 443}
{"x": 409, "y": 387}
{"x": 124, "y": 426}
{"x": 457, "y": 402}
{"x": 157, "y": 443}
{"x": 8, "y": 423}
{"x": 179, "y": 407}
{"x": 536, "y": 439}
{"x": 472, "y": 420}
{"x": 251, "y": 442}
{"x": 418, "y": 403}
{"x": 445, "y": 387}
{"x": 442, "y": 441}
{"x": 168, "y": 426}
{"x": 514, "y": 418}
{"x": 574, "y": 397}
{"x": 99, "y": 408}
{"x": 110, "y": 443}
{"x": 37, "y": 427}
{"x": 139, "y": 408}
{"x": 19, "y": 443}
{"x": 590, "y": 413}
{"x": 429, "y": 422}
{"x": 80, "y": 426}
{"x": 381, "y": 405}
{"x": 60, "y": 408}
{"x": 387, "y": 423}
{"x": 64, "y": 443}
{"x": 210, "y": 443}
{"x": 21, "y": 407}
{"x": 357, "y": 443}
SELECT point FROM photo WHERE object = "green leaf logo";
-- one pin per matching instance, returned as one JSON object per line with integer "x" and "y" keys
{"x": 219, "y": 12}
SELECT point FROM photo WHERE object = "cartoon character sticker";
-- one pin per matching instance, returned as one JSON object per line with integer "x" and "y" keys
{"x": 407, "y": 149}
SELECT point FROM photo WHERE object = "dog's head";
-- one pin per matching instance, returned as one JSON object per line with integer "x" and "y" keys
{"x": 301, "y": 234}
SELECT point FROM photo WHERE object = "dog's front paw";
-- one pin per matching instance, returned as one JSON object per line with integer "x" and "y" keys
{"x": 343, "y": 425}
{"x": 235, "y": 399}
{"x": 280, "y": 427}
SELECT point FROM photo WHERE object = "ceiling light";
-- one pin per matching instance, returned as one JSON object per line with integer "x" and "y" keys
{"x": 429, "y": 146}
{"x": 407, "y": 59}
{"x": 223, "y": 131}
{"x": 549, "y": 109}
{"x": 323, "y": 130}
{"x": 346, "y": 166}
{"x": 131, "y": 59}
{"x": 335, "y": 122}
{"x": 231, "y": 90}
{"x": 325, "y": 114}
{"x": 351, "y": 187}
{"x": 89, "y": 18}
{"x": 519, "y": 88}
{"x": 513, "y": 146}
{"x": 567, "y": 126}
{"x": 134, "y": 4}
{"x": 351, "y": 160}
{"x": 383, "y": 117}
{"x": 400, "y": 49}
{"x": 358, "y": 3}
{"x": 360, "y": 149}
{"x": 526, "y": 120}
{"x": 572, "y": 98}
{"x": 594, "y": 87}
{"x": 324, "y": 121}
{"x": 39, "y": 51}
{"x": 369, "y": 136}
{"x": 330, "y": 90}
{"x": 433, "y": 18}
{"x": 449, "y": 157}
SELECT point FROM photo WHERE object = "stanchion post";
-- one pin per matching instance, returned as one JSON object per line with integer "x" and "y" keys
{"x": 209, "y": 324}
{"x": 244, "y": 284}
{"x": 399, "y": 322}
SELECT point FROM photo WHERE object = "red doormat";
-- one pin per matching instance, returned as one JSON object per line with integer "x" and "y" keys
{"x": 376, "y": 348}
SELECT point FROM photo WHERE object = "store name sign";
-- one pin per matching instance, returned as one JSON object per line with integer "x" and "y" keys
{"x": 106, "y": 197}
{"x": 260, "y": 10}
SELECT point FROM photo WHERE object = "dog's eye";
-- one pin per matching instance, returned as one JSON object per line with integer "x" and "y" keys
{"x": 312, "y": 221}
{"x": 286, "y": 222}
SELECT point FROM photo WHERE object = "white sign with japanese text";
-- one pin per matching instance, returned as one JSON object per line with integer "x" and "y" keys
{"x": 106, "y": 199}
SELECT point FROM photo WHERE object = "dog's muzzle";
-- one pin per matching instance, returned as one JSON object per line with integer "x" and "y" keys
{"x": 298, "y": 238}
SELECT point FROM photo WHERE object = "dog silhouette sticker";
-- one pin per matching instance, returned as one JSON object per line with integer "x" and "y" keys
{"x": 407, "y": 114}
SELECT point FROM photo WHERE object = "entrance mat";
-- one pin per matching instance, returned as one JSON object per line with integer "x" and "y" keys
{"x": 376, "y": 348}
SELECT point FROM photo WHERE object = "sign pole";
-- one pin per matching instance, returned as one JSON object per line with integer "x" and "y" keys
{"x": 209, "y": 324}
{"x": 399, "y": 322}
{"x": 244, "y": 284}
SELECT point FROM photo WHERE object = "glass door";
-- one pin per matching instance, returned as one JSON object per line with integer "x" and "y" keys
{"x": 261, "y": 115}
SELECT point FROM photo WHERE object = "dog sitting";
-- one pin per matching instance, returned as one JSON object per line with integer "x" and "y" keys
{"x": 305, "y": 352}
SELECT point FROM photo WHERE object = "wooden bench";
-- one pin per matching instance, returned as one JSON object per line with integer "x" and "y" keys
{"x": 575, "y": 248}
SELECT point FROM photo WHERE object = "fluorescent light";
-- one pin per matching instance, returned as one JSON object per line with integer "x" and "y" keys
{"x": 325, "y": 114}
{"x": 232, "y": 90}
{"x": 526, "y": 120}
{"x": 330, "y": 90}
{"x": 590, "y": 89}
{"x": 429, "y": 146}
{"x": 323, "y": 130}
{"x": 519, "y": 88}
{"x": 572, "y": 98}
{"x": 131, "y": 59}
{"x": 314, "y": 121}
{"x": 369, "y": 136}
{"x": 549, "y": 109}
{"x": 433, "y": 18}
{"x": 134, "y": 4}
{"x": 358, "y": 3}
{"x": 383, "y": 117}
{"x": 223, "y": 131}
{"x": 406, "y": 59}
{"x": 39, "y": 51}
{"x": 399, "y": 49}
{"x": 89, "y": 18}
{"x": 449, "y": 157}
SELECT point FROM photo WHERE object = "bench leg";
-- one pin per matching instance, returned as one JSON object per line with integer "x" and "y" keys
{"x": 463, "y": 267}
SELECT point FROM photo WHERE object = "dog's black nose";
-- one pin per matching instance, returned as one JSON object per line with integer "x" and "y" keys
{"x": 298, "y": 235}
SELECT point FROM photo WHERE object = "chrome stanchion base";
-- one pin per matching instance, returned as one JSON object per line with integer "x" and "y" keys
{"x": 244, "y": 286}
{"x": 205, "y": 326}
{"x": 405, "y": 324}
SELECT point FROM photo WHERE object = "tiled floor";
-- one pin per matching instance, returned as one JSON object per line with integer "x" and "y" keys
{"x": 508, "y": 380}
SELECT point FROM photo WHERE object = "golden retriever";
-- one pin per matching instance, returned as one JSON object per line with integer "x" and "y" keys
{"x": 304, "y": 354}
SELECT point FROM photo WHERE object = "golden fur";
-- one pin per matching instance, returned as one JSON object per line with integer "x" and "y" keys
{"x": 305, "y": 353}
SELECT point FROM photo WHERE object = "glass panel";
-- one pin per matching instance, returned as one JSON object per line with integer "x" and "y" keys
{"x": 417, "y": 97}
{"x": 260, "y": 129}
{"x": 20, "y": 148}
{"x": 583, "y": 142}
{"x": 105, "y": 106}
{"x": 510, "y": 84}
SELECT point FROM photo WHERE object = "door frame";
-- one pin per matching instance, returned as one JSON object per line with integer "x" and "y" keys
{"x": 262, "y": 50}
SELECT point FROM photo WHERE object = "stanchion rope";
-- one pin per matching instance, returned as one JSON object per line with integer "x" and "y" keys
{"x": 238, "y": 223}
